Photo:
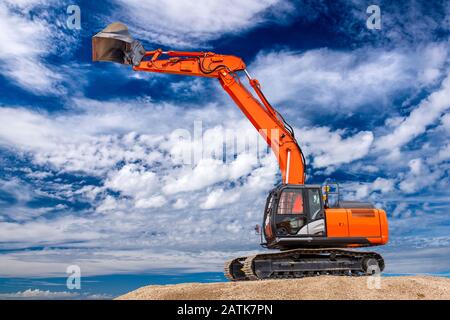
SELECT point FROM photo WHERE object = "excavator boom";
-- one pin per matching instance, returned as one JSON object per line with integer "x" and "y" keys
{"x": 270, "y": 124}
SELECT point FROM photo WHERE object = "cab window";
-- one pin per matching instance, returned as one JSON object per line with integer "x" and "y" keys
{"x": 290, "y": 217}
{"x": 267, "y": 227}
{"x": 291, "y": 202}
{"x": 315, "y": 206}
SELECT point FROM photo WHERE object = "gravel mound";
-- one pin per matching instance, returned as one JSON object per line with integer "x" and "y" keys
{"x": 323, "y": 287}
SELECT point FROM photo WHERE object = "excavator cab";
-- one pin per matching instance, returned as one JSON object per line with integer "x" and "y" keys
{"x": 293, "y": 214}
{"x": 301, "y": 216}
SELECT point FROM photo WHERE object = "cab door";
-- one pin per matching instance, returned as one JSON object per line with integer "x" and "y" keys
{"x": 315, "y": 213}
{"x": 290, "y": 214}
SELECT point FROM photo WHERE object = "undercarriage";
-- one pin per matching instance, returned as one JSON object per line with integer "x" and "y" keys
{"x": 298, "y": 263}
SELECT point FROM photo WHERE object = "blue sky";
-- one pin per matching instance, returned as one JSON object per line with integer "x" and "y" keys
{"x": 90, "y": 170}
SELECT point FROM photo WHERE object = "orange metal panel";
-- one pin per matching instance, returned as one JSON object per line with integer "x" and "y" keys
{"x": 364, "y": 223}
{"x": 337, "y": 223}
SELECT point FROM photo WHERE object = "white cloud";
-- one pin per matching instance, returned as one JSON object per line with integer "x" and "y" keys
{"x": 209, "y": 171}
{"x": 70, "y": 142}
{"x": 37, "y": 294}
{"x": 53, "y": 263}
{"x": 219, "y": 198}
{"x": 375, "y": 191}
{"x": 339, "y": 81}
{"x": 443, "y": 154}
{"x": 22, "y": 194}
{"x": 44, "y": 231}
{"x": 446, "y": 121}
{"x": 205, "y": 173}
{"x": 243, "y": 165}
{"x": 383, "y": 185}
{"x": 26, "y": 39}
{"x": 330, "y": 148}
{"x": 189, "y": 23}
{"x": 404, "y": 24}
{"x": 426, "y": 113}
{"x": 180, "y": 204}
{"x": 110, "y": 203}
{"x": 23, "y": 128}
{"x": 135, "y": 181}
{"x": 419, "y": 176}
{"x": 151, "y": 202}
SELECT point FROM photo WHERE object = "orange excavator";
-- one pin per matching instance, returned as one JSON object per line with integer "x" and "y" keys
{"x": 311, "y": 228}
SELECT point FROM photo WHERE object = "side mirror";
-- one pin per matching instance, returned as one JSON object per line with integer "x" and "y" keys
{"x": 115, "y": 44}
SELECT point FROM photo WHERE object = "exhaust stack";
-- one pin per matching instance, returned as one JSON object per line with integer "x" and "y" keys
{"x": 115, "y": 44}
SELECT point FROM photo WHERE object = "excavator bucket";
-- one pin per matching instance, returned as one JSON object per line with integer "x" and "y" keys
{"x": 115, "y": 44}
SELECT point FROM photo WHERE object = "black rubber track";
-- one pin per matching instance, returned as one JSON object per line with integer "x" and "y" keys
{"x": 243, "y": 268}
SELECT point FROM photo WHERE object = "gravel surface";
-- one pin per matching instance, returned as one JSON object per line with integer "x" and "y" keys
{"x": 323, "y": 287}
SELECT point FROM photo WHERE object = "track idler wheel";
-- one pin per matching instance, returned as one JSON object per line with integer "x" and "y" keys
{"x": 233, "y": 269}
